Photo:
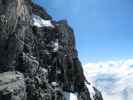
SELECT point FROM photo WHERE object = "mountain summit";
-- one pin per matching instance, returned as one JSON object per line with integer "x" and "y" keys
{"x": 38, "y": 56}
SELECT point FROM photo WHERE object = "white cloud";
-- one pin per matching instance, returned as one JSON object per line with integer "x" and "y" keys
{"x": 111, "y": 77}
{"x": 121, "y": 67}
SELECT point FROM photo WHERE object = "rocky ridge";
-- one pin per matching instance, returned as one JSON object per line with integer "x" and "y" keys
{"x": 38, "y": 56}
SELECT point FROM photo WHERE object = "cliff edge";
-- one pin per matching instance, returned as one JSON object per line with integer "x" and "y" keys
{"x": 38, "y": 56}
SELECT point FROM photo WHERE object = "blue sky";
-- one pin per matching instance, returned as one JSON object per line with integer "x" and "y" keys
{"x": 103, "y": 28}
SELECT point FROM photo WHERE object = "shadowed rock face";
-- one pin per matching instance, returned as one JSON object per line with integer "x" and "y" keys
{"x": 14, "y": 24}
{"x": 43, "y": 51}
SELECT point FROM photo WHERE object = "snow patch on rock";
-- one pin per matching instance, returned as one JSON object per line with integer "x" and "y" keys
{"x": 91, "y": 91}
{"x": 39, "y": 22}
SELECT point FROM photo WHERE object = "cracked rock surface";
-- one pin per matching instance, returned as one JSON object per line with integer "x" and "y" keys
{"x": 38, "y": 56}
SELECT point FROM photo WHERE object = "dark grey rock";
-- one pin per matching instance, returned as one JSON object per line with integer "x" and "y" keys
{"x": 12, "y": 86}
{"x": 40, "y": 11}
{"x": 46, "y": 56}
{"x": 14, "y": 23}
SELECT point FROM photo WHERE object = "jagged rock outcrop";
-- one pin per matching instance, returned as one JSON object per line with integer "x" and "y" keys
{"x": 43, "y": 52}
{"x": 12, "y": 86}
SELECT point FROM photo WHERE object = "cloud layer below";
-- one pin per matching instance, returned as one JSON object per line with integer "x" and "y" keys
{"x": 112, "y": 77}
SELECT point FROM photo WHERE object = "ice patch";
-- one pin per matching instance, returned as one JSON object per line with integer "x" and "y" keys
{"x": 70, "y": 96}
{"x": 56, "y": 46}
{"x": 73, "y": 96}
{"x": 54, "y": 84}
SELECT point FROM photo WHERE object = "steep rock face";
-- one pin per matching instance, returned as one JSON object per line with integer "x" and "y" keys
{"x": 14, "y": 24}
{"x": 44, "y": 51}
